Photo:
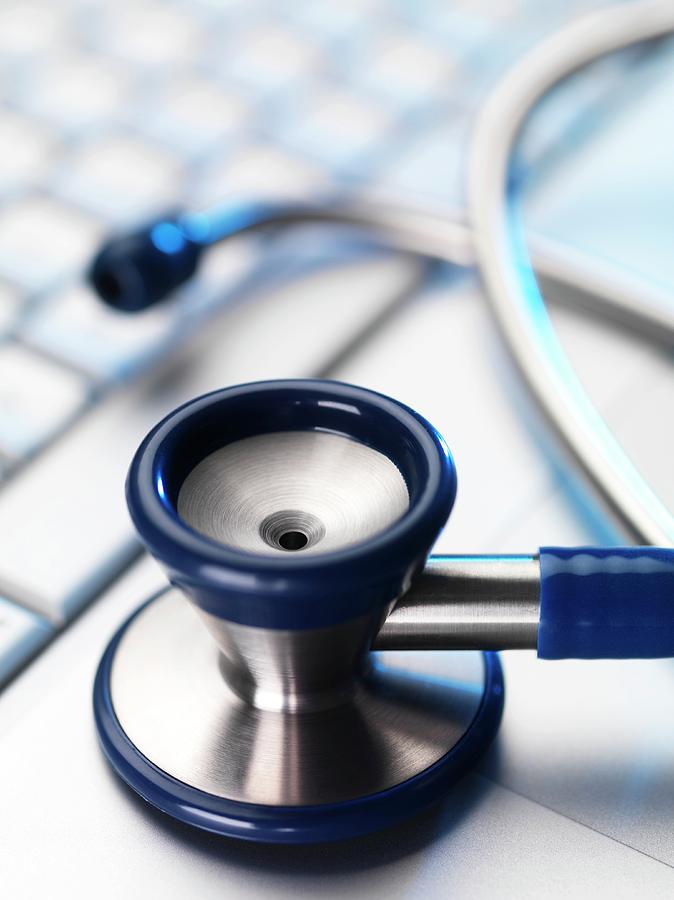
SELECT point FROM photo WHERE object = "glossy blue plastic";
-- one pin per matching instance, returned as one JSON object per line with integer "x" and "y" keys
{"x": 293, "y": 824}
{"x": 290, "y": 590}
{"x": 136, "y": 270}
{"x": 614, "y": 603}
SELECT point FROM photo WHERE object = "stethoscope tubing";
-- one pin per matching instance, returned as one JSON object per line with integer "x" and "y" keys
{"x": 512, "y": 292}
{"x": 164, "y": 254}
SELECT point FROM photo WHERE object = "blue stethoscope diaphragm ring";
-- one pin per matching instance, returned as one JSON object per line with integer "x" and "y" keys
{"x": 455, "y": 697}
{"x": 275, "y": 721}
{"x": 294, "y": 520}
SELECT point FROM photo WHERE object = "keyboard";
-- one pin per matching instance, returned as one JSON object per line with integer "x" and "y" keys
{"x": 111, "y": 113}
{"x": 106, "y": 116}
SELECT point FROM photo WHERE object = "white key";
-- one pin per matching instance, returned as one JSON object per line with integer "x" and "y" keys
{"x": 120, "y": 178}
{"x": 335, "y": 127}
{"x": 334, "y": 21}
{"x": 496, "y": 10}
{"x": 643, "y": 423}
{"x": 22, "y": 633}
{"x": 150, "y": 34}
{"x": 218, "y": 10}
{"x": 267, "y": 58}
{"x": 25, "y": 147}
{"x": 432, "y": 166}
{"x": 403, "y": 70}
{"x": 41, "y": 241}
{"x": 77, "y": 327}
{"x": 27, "y": 27}
{"x": 192, "y": 114}
{"x": 622, "y": 358}
{"x": 36, "y": 398}
{"x": 10, "y": 305}
{"x": 258, "y": 171}
{"x": 72, "y": 90}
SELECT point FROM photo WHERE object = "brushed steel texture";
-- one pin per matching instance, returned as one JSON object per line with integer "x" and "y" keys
{"x": 293, "y": 670}
{"x": 467, "y": 602}
{"x": 172, "y": 701}
{"x": 456, "y": 603}
{"x": 294, "y": 491}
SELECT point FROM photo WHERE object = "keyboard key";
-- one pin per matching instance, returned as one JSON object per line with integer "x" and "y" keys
{"x": 22, "y": 633}
{"x": 432, "y": 166}
{"x": 149, "y": 34}
{"x": 77, "y": 327}
{"x": 335, "y": 127}
{"x": 466, "y": 28}
{"x": 41, "y": 241}
{"x": 25, "y": 149}
{"x": 401, "y": 70}
{"x": 333, "y": 21}
{"x": 217, "y": 11}
{"x": 37, "y": 397}
{"x": 193, "y": 114}
{"x": 64, "y": 528}
{"x": 269, "y": 58}
{"x": 258, "y": 170}
{"x": 642, "y": 422}
{"x": 9, "y": 308}
{"x": 73, "y": 90}
{"x": 27, "y": 28}
{"x": 120, "y": 178}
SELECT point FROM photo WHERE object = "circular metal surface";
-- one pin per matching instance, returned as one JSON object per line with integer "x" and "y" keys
{"x": 178, "y": 735}
{"x": 293, "y": 491}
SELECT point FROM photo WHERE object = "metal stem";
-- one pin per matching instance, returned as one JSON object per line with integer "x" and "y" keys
{"x": 466, "y": 603}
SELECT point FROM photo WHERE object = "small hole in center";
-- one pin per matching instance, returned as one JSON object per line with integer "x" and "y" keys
{"x": 293, "y": 540}
{"x": 292, "y": 530}
{"x": 108, "y": 286}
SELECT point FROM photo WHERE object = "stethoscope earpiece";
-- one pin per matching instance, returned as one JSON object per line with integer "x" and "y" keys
{"x": 289, "y": 515}
{"x": 134, "y": 271}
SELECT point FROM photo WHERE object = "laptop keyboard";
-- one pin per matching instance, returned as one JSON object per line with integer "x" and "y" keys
{"x": 111, "y": 112}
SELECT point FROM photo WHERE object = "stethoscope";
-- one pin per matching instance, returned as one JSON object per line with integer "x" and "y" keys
{"x": 296, "y": 517}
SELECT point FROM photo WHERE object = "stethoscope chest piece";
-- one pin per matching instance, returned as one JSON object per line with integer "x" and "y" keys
{"x": 245, "y": 699}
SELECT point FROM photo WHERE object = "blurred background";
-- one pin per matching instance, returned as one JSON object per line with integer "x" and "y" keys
{"x": 113, "y": 112}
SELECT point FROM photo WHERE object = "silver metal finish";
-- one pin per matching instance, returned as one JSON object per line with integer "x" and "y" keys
{"x": 518, "y": 309}
{"x": 279, "y": 669}
{"x": 444, "y": 234}
{"x": 295, "y": 491}
{"x": 172, "y": 701}
{"x": 487, "y": 603}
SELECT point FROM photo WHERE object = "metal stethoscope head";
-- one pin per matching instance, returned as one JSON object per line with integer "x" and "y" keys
{"x": 296, "y": 518}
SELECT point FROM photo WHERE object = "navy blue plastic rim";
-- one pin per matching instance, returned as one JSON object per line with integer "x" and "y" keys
{"x": 292, "y": 824}
{"x": 281, "y": 591}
